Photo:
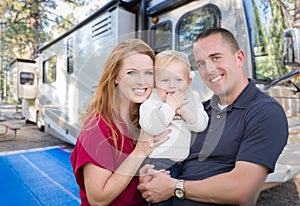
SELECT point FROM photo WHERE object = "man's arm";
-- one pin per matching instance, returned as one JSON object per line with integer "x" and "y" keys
{"x": 238, "y": 186}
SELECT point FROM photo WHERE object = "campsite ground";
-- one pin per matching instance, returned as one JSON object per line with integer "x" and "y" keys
{"x": 29, "y": 137}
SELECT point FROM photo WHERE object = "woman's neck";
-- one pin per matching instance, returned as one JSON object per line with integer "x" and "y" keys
{"x": 123, "y": 110}
{"x": 125, "y": 114}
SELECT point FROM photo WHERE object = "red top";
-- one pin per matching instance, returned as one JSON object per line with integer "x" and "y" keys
{"x": 95, "y": 146}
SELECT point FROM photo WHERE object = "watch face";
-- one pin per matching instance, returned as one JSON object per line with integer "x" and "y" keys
{"x": 179, "y": 193}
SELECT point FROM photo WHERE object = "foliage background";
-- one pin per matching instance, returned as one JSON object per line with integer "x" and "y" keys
{"x": 27, "y": 24}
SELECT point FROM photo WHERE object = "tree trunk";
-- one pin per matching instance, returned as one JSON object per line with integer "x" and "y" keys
{"x": 297, "y": 14}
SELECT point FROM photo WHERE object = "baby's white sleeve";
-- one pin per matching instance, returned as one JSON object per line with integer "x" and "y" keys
{"x": 154, "y": 118}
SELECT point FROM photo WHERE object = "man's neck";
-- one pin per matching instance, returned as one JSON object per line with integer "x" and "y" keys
{"x": 228, "y": 99}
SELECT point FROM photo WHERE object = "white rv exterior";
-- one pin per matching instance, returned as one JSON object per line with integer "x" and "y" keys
{"x": 70, "y": 66}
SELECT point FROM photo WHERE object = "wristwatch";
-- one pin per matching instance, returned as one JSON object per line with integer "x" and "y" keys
{"x": 179, "y": 189}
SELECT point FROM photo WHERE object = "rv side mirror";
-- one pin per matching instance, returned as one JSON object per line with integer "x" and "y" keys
{"x": 292, "y": 47}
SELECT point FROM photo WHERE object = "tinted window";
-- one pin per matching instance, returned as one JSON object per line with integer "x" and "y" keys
{"x": 26, "y": 78}
{"x": 267, "y": 21}
{"x": 161, "y": 36}
{"x": 49, "y": 70}
{"x": 191, "y": 24}
{"x": 70, "y": 56}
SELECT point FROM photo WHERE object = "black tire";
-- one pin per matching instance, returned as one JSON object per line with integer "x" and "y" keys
{"x": 27, "y": 121}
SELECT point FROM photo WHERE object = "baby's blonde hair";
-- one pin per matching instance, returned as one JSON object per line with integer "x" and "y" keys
{"x": 164, "y": 58}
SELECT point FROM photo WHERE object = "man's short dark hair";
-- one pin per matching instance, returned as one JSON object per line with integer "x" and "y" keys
{"x": 226, "y": 35}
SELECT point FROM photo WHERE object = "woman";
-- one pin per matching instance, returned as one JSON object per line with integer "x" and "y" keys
{"x": 110, "y": 147}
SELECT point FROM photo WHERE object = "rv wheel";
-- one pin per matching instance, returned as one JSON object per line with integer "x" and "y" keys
{"x": 39, "y": 124}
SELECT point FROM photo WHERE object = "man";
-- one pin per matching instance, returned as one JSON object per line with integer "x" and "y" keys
{"x": 229, "y": 162}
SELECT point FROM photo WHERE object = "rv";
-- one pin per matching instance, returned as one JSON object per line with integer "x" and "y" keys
{"x": 23, "y": 84}
{"x": 23, "y": 79}
{"x": 70, "y": 65}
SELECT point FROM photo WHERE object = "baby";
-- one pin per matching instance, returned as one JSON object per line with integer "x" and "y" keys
{"x": 172, "y": 105}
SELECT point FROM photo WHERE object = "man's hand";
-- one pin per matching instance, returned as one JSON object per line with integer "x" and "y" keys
{"x": 156, "y": 185}
{"x": 144, "y": 174}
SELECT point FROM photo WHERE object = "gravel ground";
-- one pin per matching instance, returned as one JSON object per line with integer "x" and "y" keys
{"x": 27, "y": 137}
{"x": 287, "y": 194}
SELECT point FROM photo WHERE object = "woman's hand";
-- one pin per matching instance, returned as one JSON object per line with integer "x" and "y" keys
{"x": 146, "y": 142}
{"x": 147, "y": 171}
{"x": 155, "y": 185}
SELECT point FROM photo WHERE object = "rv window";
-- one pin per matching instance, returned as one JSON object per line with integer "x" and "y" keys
{"x": 161, "y": 38}
{"x": 26, "y": 78}
{"x": 191, "y": 24}
{"x": 267, "y": 37}
{"x": 70, "y": 58}
{"x": 49, "y": 70}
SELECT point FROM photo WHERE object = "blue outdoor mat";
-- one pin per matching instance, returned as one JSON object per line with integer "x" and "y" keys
{"x": 38, "y": 177}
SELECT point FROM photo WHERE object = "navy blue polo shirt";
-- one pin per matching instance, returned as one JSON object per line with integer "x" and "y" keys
{"x": 254, "y": 129}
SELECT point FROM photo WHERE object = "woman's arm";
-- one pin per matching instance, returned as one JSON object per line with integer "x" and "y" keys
{"x": 103, "y": 186}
